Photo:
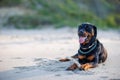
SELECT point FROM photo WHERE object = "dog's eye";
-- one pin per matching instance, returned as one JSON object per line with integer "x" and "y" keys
{"x": 88, "y": 29}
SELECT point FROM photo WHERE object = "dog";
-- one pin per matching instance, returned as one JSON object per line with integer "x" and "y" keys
{"x": 91, "y": 51}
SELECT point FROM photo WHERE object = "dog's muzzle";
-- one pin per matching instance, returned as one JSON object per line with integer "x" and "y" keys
{"x": 82, "y": 39}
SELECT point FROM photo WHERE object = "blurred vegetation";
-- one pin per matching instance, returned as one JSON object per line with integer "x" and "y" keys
{"x": 9, "y": 3}
{"x": 60, "y": 13}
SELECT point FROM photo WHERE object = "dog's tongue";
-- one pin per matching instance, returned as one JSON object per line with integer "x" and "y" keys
{"x": 82, "y": 39}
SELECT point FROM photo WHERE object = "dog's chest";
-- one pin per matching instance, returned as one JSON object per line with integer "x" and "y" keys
{"x": 87, "y": 58}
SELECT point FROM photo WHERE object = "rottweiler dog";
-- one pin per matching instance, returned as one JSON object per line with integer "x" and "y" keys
{"x": 91, "y": 51}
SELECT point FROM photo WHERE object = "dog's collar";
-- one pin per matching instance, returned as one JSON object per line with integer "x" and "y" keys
{"x": 93, "y": 46}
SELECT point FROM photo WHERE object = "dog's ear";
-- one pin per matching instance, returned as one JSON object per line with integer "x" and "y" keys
{"x": 95, "y": 30}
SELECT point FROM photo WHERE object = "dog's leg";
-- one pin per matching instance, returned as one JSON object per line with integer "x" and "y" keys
{"x": 68, "y": 59}
{"x": 72, "y": 67}
{"x": 86, "y": 66}
{"x": 104, "y": 55}
{"x": 75, "y": 65}
{"x": 64, "y": 60}
{"x": 92, "y": 64}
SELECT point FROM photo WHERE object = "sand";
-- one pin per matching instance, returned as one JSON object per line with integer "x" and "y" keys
{"x": 34, "y": 55}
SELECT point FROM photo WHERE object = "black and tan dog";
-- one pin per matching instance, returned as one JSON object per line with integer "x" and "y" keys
{"x": 91, "y": 51}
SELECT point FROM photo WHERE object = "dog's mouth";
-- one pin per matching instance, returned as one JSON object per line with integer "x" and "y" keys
{"x": 82, "y": 39}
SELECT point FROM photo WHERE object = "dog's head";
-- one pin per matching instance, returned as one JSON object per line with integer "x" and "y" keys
{"x": 87, "y": 33}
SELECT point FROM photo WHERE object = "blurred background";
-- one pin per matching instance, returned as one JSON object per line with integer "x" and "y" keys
{"x": 29, "y": 14}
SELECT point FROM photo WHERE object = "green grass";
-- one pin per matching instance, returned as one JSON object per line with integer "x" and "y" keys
{"x": 10, "y": 3}
{"x": 60, "y": 13}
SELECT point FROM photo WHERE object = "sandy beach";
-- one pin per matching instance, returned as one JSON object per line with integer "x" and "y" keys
{"x": 34, "y": 55}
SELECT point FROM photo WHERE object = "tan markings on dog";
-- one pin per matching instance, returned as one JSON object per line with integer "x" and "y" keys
{"x": 92, "y": 32}
{"x": 90, "y": 58}
{"x": 89, "y": 36}
{"x": 64, "y": 60}
{"x": 81, "y": 57}
{"x": 86, "y": 33}
{"x": 83, "y": 65}
{"x": 84, "y": 43}
{"x": 88, "y": 66}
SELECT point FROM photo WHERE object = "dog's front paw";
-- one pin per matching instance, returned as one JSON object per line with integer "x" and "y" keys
{"x": 72, "y": 67}
{"x": 64, "y": 60}
{"x": 86, "y": 66}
